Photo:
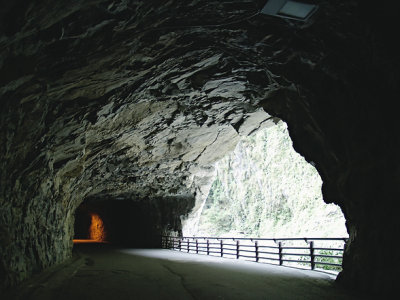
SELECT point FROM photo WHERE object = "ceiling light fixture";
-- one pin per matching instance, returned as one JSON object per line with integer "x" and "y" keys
{"x": 289, "y": 9}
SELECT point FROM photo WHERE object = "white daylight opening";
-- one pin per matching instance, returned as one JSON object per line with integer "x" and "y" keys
{"x": 266, "y": 189}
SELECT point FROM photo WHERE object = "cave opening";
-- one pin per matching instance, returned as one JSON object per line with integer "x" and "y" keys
{"x": 265, "y": 189}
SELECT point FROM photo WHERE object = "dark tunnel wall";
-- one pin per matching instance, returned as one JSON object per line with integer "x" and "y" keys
{"x": 102, "y": 98}
{"x": 83, "y": 220}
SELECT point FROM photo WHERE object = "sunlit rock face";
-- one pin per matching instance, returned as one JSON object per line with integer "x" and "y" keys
{"x": 136, "y": 100}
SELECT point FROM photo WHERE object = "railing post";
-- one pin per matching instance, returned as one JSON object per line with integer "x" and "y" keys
{"x": 312, "y": 255}
{"x": 344, "y": 250}
{"x": 237, "y": 249}
{"x": 197, "y": 246}
{"x": 180, "y": 245}
{"x": 222, "y": 247}
{"x": 280, "y": 253}
{"x": 256, "y": 248}
{"x": 188, "y": 241}
{"x": 208, "y": 247}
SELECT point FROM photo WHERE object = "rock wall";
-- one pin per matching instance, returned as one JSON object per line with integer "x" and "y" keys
{"x": 137, "y": 99}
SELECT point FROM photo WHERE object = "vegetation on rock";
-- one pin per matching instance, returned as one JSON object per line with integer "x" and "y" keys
{"x": 266, "y": 189}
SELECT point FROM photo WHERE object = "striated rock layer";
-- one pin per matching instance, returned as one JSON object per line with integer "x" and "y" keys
{"x": 135, "y": 101}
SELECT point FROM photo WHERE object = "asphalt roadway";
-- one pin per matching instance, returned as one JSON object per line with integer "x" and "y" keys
{"x": 102, "y": 271}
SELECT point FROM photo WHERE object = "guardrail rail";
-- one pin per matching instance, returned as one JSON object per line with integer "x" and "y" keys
{"x": 317, "y": 253}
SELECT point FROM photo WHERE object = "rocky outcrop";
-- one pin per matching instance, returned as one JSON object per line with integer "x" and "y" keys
{"x": 137, "y": 100}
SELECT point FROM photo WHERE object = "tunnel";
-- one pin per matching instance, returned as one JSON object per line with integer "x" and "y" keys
{"x": 121, "y": 109}
{"x": 89, "y": 225}
{"x": 119, "y": 222}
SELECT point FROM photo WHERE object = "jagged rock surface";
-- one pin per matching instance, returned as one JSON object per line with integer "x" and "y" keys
{"x": 136, "y": 100}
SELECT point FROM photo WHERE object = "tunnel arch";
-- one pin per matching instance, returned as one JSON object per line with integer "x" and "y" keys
{"x": 102, "y": 114}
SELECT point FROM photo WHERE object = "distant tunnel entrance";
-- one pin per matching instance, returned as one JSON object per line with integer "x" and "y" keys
{"x": 89, "y": 225}
{"x": 121, "y": 222}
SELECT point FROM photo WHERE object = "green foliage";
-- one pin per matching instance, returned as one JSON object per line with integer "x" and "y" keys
{"x": 331, "y": 260}
{"x": 266, "y": 189}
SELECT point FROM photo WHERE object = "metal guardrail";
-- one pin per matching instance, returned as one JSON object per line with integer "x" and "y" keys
{"x": 318, "y": 253}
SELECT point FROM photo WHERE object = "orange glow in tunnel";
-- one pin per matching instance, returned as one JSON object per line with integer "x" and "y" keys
{"x": 96, "y": 228}
{"x": 96, "y": 231}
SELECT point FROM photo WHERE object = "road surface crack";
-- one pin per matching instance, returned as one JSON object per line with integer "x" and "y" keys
{"x": 182, "y": 279}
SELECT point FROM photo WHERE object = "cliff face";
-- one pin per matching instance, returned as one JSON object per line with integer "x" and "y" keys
{"x": 136, "y": 100}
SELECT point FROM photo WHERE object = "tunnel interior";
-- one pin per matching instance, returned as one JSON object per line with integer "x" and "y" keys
{"x": 89, "y": 226}
{"x": 119, "y": 222}
{"x": 136, "y": 100}
{"x": 83, "y": 223}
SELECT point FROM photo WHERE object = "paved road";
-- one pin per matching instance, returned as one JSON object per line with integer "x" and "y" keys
{"x": 101, "y": 271}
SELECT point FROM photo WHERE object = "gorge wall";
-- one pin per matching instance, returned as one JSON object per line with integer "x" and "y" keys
{"x": 135, "y": 101}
